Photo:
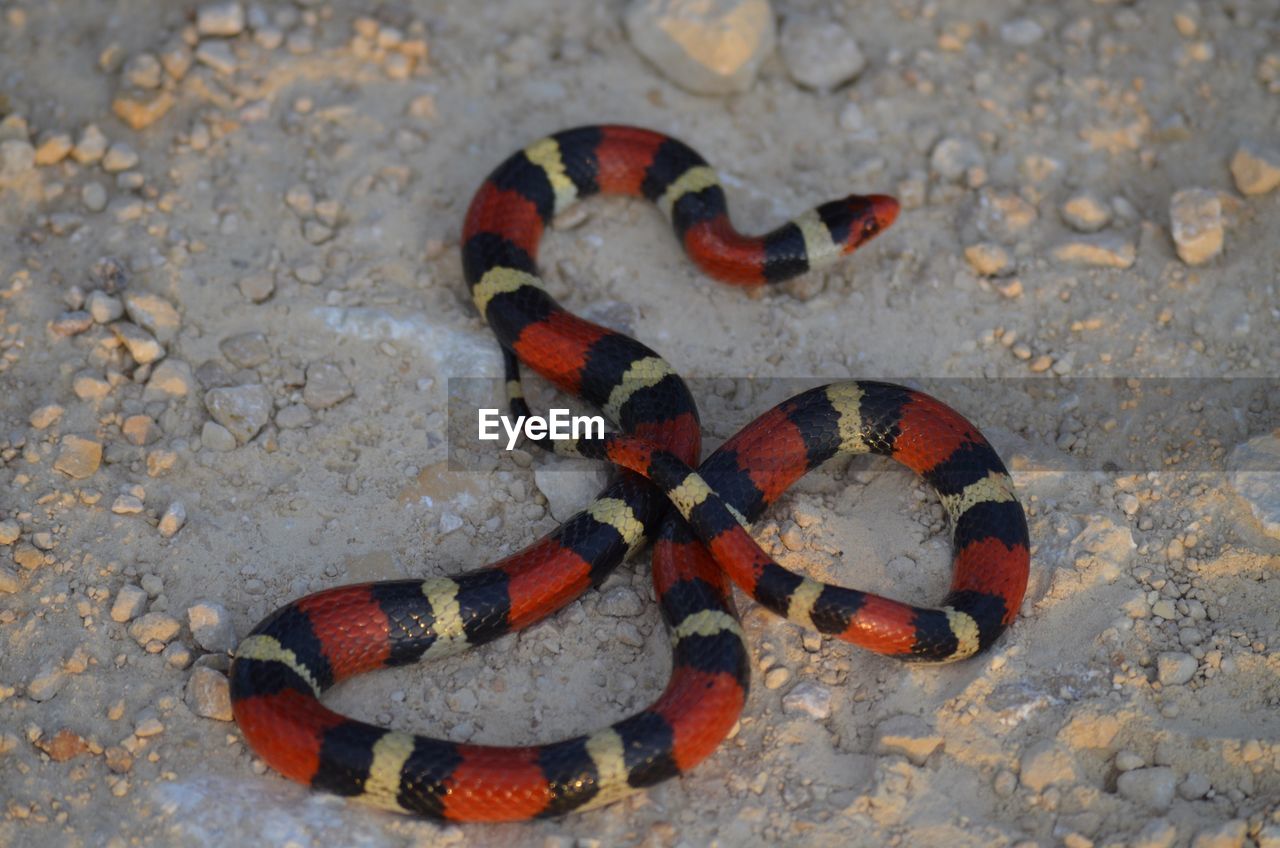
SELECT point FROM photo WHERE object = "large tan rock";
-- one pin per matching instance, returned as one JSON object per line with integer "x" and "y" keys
{"x": 704, "y": 46}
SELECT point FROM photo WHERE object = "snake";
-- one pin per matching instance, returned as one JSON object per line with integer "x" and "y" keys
{"x": 696, "y": 515}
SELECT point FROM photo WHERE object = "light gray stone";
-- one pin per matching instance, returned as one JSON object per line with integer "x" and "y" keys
{"x": 172, "y": 378}
{"x": 1045, "y": 764}
{"x": 246, "y": 350}
{"x": 1152, "y": 787}
{"x": 819, "y": 53}
{"x": 326, "y": 386}
{"x": 210, "y": 624}
{"x": 1175, "y": 668}
{"x": 215, "y": 437}
{"x": 243, "y": 410}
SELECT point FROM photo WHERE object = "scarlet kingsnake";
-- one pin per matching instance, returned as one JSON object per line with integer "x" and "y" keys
{"x": 303, "y": 648}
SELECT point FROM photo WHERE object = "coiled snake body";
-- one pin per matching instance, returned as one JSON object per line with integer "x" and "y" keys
{"x": 699, "y": 547}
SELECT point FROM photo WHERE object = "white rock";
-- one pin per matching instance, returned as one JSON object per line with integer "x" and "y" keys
{"x": 1255, "y": 169}
{"x": 819, "y": 53}
{"x": 1255, "y": 479}
{"x": 129, "y": 603}
{"x": 908, "y": 735}
{"x": 1195, "y": 216}
{"x": 1152, "y": 787}
{"x": 1175, "y": 668}
{"x": 174, "y": 517}
{"x": 570, "y": 488}
{"x": 243, "y": 410}
{"x": 211, "y": 626}
{"x": 220, "y": 18}
{"x": 808, "y": 698}
{"x": 93, "y": 196}
{"x": 705, "y": 46}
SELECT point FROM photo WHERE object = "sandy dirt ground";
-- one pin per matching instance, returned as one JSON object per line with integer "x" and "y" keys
{"x": 288, "y": 219}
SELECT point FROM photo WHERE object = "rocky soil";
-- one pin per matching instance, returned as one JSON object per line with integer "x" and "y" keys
{"x": 231, "y": 309}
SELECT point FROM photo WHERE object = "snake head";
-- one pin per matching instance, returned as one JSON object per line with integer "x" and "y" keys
{"x": 868, "y": 216}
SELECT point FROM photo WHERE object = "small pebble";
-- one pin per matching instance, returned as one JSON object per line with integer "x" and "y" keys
{"x": 143, "y": 70}
{"x": 10, "y": 530}
{"x": 211, "y": 626}
{"x": 103, "y": 307}
{"x": 621, "y": 602}
{"x": 952, "y": 158}
{"x": 776, "y": 677}
{"x": 140, "y": 108}
{"x": 127, "y": 505}
{"x": 1255, "y": 169}
{"x": 326, "y": 386}
{"x": 1197, "y": 225}
{"x": 1175, "y": 668}
{"x": 257, "y": 287}
{"x": 172, "y": 378}
{"x": 140, "y": 430}
{"x": 93, "y": 196}
{"x": 47, "y": 682}
{"x": 52, "y": 147}
{"x": 1044, "y": 764}
{"x": 216, "y": 55}
{"x": 142, "y": 346}
{"x": 154, "y": 627}
{"x": 154, "y": 314}
{"x": 818, "y": 53}
{"x": 129, "y": 603}
{"x": 90, "y": 147}
{"x": 242, "y": 410}
{"x": 1085, "y": 212}
{"x": 119, "y": 157}
{"x": 1152, "y": 787}
{"x": 808, "y": 698}
{"x": 215, "y": 437}
{"x": 171, "y": 521}
{"x": 79, "y": 457}
{"x": 246, "y": 350}
{"x": 1099, "y": 251}
{"x": 9, "y": 582}
{"x": 209, "y": 694}
{"x": 295, "y": 416}
{"x": 988, "y": 259}
{"x": 220, "y": 18}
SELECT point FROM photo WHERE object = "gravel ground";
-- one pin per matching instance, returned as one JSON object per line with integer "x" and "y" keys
{"x": 231, "y": 305}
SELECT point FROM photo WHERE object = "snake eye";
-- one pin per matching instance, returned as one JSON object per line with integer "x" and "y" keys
{"x": 869, "y": 227}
